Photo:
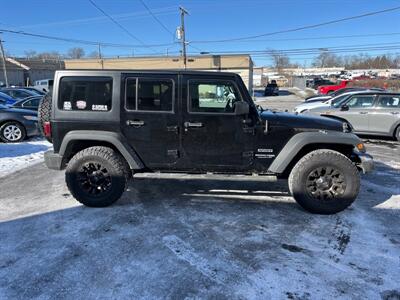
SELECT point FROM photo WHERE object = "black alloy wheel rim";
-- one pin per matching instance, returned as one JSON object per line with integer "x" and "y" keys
{"x": 325, "y": 183}
{"x": 94, "y": 179}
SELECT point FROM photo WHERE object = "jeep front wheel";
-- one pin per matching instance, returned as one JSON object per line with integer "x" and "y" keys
{"x": 324, "y": 182}
{"x": 97, "y": 176}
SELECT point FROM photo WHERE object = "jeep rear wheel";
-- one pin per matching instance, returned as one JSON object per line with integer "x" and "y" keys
{"x": 97, "y": 176}
{"x": 44, "y": 113}
{"x": 324, "y": 182}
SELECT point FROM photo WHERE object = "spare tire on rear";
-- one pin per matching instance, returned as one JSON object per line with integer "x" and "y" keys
{"x": 44, "y": 113}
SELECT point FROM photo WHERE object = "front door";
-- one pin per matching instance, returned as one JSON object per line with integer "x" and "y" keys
{"x": 149, "y": 118}
{"x": 359, "y": 108}
{"x": 213, "y": 137}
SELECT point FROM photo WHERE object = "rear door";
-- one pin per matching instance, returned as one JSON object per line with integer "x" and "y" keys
{"x": 149, "y": 118}
{"x": 359, "y": 108}
{"x": 386, "y": 112}
{"x": 213, "y": 137}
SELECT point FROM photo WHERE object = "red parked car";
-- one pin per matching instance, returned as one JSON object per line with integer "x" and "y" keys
{"x": 329, "y": 89}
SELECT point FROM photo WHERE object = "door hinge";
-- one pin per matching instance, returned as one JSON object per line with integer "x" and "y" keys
{"x": 173, "y": 152}
{"x": 248, "y": 154}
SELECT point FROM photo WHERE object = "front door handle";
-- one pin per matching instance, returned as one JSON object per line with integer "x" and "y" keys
{"x": 193, "y": 124}
{"x": 395, "y": 112}
{"x": 363, "y": 112}
{"x": 135, "y": 123}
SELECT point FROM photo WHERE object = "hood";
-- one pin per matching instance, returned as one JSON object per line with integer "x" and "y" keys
{"x": 301, "y": 121}
{"x": 309, "y": 105}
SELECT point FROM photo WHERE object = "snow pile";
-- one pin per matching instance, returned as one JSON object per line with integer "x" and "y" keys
{"x": 14, "y": 157}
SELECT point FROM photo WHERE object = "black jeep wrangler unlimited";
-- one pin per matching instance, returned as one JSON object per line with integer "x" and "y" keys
{"x": 107, "y": 125}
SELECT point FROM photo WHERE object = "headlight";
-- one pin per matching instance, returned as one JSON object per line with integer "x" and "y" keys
{"x": 30, "y": 118}
{"x": 360, "y": 147}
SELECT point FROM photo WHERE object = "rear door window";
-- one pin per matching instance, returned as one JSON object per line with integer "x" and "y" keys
{"x": 388, "y": 101}
{"x": 361, "y": 101}
{"x": 85, "y": 93}
{"x": 145, "y": 94}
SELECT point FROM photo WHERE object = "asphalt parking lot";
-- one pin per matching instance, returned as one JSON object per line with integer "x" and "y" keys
{"x": 184, "y": 237}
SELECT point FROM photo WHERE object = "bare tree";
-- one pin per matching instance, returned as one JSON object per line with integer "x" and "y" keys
{"x": 327, "y": 59}
{"x": 48, "y": 55}
{"x": 76, "y": 52}
{"x": 280, "y": 61}
{"x": 94, "y": 54}
{"x": 30, "y": 53}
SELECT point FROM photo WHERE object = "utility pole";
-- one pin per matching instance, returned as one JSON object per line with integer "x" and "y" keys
{"x": 99, "y": 54}
{"x": 183, "y": 12}
{"x": 4, "y": 61}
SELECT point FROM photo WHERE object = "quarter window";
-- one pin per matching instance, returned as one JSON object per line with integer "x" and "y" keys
{"x": 149, "y": 94}
{"x": 212, "y": 97}
{"x": 85, "y": 93}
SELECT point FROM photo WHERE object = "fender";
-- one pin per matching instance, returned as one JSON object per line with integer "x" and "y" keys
{"x": 298, "y": 141}
{"x": 117, "y": 140}
{"x": 336, "y": 118}
{"x": 392, "y": 130}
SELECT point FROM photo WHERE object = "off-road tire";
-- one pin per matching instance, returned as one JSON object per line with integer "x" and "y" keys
{"x": 44, "y": 113}
{"x": 326, "y": 159}
{"x": 117, "y": 171}
{"x": 7, "y": 125}
{"x": 397, "y": 133}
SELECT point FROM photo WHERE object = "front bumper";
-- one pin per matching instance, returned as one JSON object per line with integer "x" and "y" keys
{"x": 53, "y": 160}
{"x": 365, "y": 163}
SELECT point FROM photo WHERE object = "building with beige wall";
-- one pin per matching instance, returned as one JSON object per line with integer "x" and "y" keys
{"x": 240, "y": 64}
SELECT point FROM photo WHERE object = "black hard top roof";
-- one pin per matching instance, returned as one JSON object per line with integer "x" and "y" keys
{"x": 162, "y": 71}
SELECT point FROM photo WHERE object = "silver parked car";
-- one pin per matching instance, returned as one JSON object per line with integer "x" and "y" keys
{"x": 371, "y": 113}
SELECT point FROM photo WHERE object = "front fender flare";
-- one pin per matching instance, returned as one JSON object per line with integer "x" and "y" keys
{"x": 298, "y": 141}
{"x": 117, "y": 140}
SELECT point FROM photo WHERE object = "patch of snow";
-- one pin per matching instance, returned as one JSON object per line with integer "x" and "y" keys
{"x": 17, "y": 156}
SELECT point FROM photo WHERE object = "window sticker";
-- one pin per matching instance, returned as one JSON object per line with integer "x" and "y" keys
{"x": 81, "y": 104}
{"x": 67, "y": 105}
{"x": 99, "y": 107}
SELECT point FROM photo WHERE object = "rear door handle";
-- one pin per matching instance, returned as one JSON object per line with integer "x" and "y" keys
{"x": 363, "y": 112}
{"x": 135, "y": 123}
{"x": 193, "y": 124}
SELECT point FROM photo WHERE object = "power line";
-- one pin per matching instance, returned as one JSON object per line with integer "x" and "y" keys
{"x": 78, "y": 41}
{"x": 301, "y": 28}
{"x": 118, "y": 24}
{"x": 319, "y": 49}
{"x": 120, "y": 17}
{"x": 317, "y": 38}
{"x": 157, "y": 19}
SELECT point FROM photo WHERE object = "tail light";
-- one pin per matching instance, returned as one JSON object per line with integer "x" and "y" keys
{"x": 47, "y": 129}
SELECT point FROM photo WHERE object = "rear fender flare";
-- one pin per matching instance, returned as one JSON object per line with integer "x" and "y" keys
{"x": 117, "y": 140}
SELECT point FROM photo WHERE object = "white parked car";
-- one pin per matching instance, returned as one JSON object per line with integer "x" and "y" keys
{"x": 43, "y": 85}
{"x": 304, "y": 107}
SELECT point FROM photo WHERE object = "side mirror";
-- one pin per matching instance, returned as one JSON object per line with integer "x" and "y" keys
{"x": 344, "y": 107}
{"x": 241, "y": 108}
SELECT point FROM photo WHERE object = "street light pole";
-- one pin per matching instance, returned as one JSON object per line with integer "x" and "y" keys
{"x": 183, "y": 12}
{"x": 4, "y": 61}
